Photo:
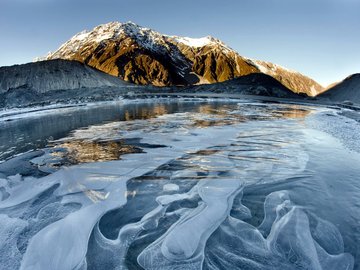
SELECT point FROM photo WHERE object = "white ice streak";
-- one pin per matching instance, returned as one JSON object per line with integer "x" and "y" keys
{"x": 63, "y": 244}
{"x": 290, "y": 244}
{"x": 182, "y": 246}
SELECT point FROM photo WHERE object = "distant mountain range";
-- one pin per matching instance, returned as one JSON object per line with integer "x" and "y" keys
{"x": 143, "y": 56}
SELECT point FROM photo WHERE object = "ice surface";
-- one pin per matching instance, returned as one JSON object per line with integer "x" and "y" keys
{"x": 171, "y": 187}
{"x": 10, "y": 229}
{"x": 70, "y": 235}
{"x": 290, "y": 244}
{"x": 189, "y": 215}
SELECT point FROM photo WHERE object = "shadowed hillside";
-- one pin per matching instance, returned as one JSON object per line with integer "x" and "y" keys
{"x": 347, "y": 90}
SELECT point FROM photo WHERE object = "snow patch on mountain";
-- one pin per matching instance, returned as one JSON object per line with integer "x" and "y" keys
{"x": 81, "y": 36}
{"x": 194, "y": 42}
{"x": 270, "y": 68}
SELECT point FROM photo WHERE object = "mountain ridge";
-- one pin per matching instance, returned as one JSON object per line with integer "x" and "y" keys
{"x": 144, "y": 56}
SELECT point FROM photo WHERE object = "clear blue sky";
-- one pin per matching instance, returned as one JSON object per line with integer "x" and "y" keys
{"x": 320, "y": 38}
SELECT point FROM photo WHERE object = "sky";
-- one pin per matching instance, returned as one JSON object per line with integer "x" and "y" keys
{"x": 319, "y": 38}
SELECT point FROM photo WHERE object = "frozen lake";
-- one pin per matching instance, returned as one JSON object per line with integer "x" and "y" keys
{"x": 180, "y": 184}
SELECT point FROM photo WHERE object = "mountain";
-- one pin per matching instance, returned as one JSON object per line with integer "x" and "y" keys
{"x": 255, "y": 84}
{"x": 293, "y": 80}
{"x": 143, "y": 56}
{"x": 51, "y": 75}
{"x": 36, "y": 82}
{"x": 347, "y": 90}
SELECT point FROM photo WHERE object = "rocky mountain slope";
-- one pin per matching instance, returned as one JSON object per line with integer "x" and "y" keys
{"x": 347, "y": 90}
{"x": 143, "y": 56}
{"x": 45, "y": 81}
{"x": 52, "y": 75}
{"x": 293, "y": 80}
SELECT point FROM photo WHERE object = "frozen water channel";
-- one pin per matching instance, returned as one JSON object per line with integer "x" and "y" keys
{"x": 180, "y": 184}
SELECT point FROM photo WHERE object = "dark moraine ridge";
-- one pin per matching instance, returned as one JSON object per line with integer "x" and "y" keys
{"x": 52, "y": 75}
{"x": 347, "y": 90}
{"x": 256, "y": 84}
{"x": 42, "y": 81}
{"x": 64, "y": 81}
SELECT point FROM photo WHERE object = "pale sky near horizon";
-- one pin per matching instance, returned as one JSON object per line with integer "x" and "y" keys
{"x": 319, "y": 38}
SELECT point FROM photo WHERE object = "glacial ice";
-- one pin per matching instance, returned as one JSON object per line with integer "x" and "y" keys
{"x": 196, "y": 220}
{"x": 289, "y": 245}
{"x": 70, "y": 235}
{"x": 171, "y": 187}
{"x": 10, "y": 229}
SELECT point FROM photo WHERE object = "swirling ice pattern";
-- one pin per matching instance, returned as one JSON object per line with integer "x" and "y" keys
{"x": 54, "y": 222}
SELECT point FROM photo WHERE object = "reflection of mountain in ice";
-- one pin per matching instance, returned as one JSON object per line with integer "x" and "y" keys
{"x": 173, "y": 207}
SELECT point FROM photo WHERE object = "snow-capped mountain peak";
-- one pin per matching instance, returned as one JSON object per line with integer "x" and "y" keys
{"x": 142, "y": 55}
{"x": 146, "y": 37}
{"x": 108, "y": 31}
{"x": 98, "y": 34}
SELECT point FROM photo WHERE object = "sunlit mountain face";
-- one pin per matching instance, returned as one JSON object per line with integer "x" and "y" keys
{"x": 144, "y": 56}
